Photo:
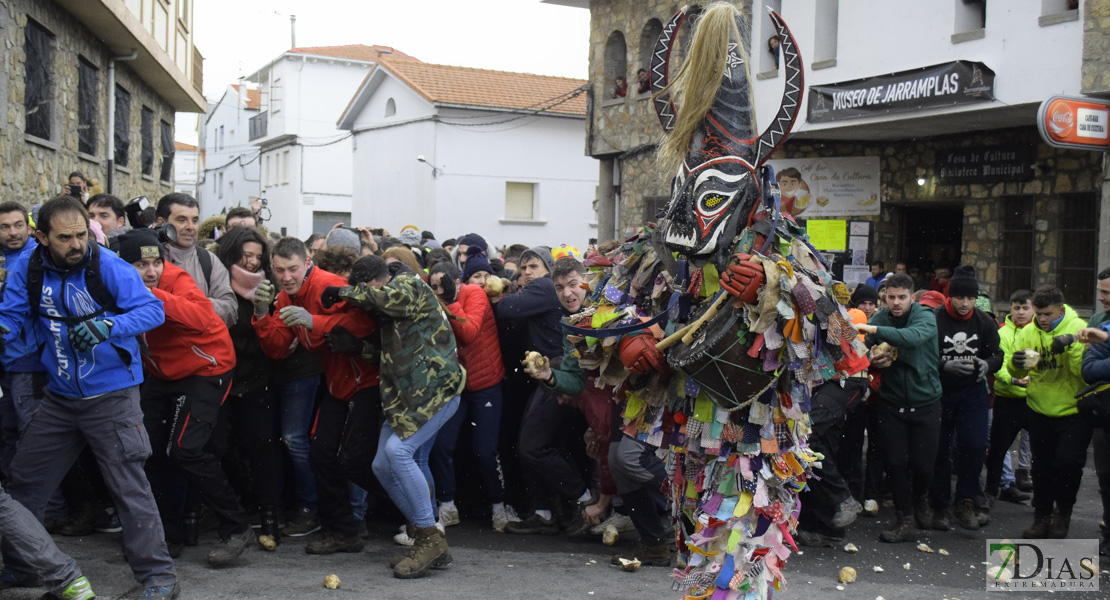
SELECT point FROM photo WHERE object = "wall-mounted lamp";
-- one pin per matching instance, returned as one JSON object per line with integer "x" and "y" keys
{"x": 435, "y": 169}
{"x": 920, "y": 181}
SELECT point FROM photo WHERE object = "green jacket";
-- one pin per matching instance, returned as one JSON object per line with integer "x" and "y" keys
{"x": 913, "y": 380}
{"x": 1098, "y": 318}
{"x": 1058, "y": 377}
{"x": 570, "y": 379}
{"x": 420, "y": 369}
{"x": 1002, "y": 385}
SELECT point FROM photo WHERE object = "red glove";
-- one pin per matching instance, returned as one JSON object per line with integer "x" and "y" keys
{"x": 639, "y": 354}
{"x": 743, "y": 279}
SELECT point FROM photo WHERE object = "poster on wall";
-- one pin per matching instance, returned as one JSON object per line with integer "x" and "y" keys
{"x": 828, "y": 187}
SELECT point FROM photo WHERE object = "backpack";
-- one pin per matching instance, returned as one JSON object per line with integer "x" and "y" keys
{"x": 205, "y": 259}
{"x": 93, "y": 283}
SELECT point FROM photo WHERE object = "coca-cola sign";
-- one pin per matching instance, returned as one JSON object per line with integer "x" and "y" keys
{"x": 1078, "y": 123}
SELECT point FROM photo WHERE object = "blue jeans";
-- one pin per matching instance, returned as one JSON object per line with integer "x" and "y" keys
{"x": 297, "y": 400}
{"x": 402, "y": 466}
{"x": 963, "y": 433}
{"x": 483, "y": 409}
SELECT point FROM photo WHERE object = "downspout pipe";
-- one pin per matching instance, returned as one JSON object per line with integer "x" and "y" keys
{"x": 111, "y": 187}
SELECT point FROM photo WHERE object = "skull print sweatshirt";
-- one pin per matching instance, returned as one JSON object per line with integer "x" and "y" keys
{"x": 973, "y": 337}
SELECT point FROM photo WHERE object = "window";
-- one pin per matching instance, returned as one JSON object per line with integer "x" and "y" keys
{"x": 87, "y": 106}
{"x": 38, "y": 94}
{"x": 146, "y": 132}
{"x": 266, "y": 172}
{"x": 971, "y": 18}
{"x": 276, "y": 179}
{"x": 768, "y": 47}
{"x": 165, "y": 136}
{"x": 616, "y": 66}
{"x": 285, "y": 167}
{"x": 1015, "y": 254}
{"x": 215, "y": 180}
{"x": 649, "y": 35}
{"x": 160, "y": 27}
{"x": 183, "y": 12}
{"x": 123, "y": 126}
{"x": 824, "y": 35}
{"x": 519, "y": 200}
{"x": 1079, "y": 239}
{"x": 221, "y": 184}
{"x": 324, "y": 220}
{"x": 275, "y": 95}
{"x": 220, "y": 138}
{"x": 653, "y": 206}
{"x": 390, "y": 107}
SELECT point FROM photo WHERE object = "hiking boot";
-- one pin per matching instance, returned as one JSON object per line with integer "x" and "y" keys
{"x": 78, "y": 589}
{"x": 846, "y": 513}
{"x": 304, "y": 523}
{"x": 448, "y": 515}
{"x": 503, "y": 516}
{"x": 1039, "y": 529}
{"x": 53, "y": 525}
{"x": 403, "y": 538}
{"x": 871, "y": 508}
{"x": 1013, "y": 494}
{"x": 965, "y": 515}
{"x": 1061, "y": 520}
{"x": 109, "y": 522}
{"x": 175, "y": 549}
{"x": 8, "y": 580}
{"x": 534, "y": 524}
{"x": 922, "y": 513}
{"x": 902, "y": 531}
{"x": 817, "y": 540}
{"x": 649, "y": 555}
{"x": 429, "y": 547}
{"x": 1023, "y": 480}
{"x": 231, "y": 547}
{"x": 160, "y": 592}
{"x": 332, "y": 544}
{"x": 940, "y": 520}
{"x": 82, "y": 525}
{"x": 578, "y": 525}
{"x": 621, "y": 523}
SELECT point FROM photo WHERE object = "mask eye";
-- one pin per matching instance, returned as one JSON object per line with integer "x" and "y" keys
{"x": 712, "y": 201}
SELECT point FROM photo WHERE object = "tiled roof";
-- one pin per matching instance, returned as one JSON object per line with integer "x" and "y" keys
{"x": 184, "y": 147}
{"x": 497, "y": 89}
{"x": 355, "y": 52}
{"x": 254, "y": 97}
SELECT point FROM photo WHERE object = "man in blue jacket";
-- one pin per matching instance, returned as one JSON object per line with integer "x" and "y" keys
{"x": 92, "y": 360}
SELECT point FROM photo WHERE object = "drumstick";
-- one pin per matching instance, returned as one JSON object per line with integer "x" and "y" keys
{"x": 709, "y": 314}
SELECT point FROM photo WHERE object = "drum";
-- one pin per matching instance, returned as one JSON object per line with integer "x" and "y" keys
{"x": 718, "y": 358}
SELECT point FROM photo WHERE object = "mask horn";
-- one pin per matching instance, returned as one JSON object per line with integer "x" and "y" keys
{"x": 773, "y": 136}
{"x": 660, "y": 65}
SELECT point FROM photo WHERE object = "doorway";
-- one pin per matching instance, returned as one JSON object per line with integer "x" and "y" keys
{"x": 932, "y": 236}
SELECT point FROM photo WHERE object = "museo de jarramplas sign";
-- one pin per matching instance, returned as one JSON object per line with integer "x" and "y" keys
{"x": 959, "y": 82}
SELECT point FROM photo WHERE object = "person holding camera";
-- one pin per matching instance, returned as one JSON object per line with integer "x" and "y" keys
{"x": 178, "y": 220}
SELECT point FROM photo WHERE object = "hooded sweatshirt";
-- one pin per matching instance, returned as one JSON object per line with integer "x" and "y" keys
{"x": 962, "y": 338}
{"x": 22, "y": 353}
{"x": 1058, "y": 377}
{"x": 911, "y": 381}
{"x": 1002, "y": 386}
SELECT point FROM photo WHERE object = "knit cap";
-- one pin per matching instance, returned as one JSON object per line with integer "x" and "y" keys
{"x": 964, "y": 282}
{"x": 410, "y": 236}
{"x": 473, "y": 239}
{"x": 138, "y": 244}
{"x": 345, "y": 237}
{"x": 476, "y": 261}
{"x": 864, "y": 293}
{"x": 541, "y": 252}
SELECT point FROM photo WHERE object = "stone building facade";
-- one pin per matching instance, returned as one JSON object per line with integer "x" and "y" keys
{"x": 34, "y": 168}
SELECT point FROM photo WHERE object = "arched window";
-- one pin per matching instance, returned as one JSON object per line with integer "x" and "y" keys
{"x": 390, "y": 107}
{"x": 649, "y": 35}
{"x": 616, "y": 65}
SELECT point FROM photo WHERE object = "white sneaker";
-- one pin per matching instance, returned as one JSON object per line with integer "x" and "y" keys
{"x": 403, "y": 538}
{"x": 504, "y": 516}
{"x": 448, "y": 516}
{"x": 621, "y": 522}
{"x": 870, "y": 508}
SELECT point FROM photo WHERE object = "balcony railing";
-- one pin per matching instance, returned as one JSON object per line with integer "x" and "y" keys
{"x": 258, "y": 124}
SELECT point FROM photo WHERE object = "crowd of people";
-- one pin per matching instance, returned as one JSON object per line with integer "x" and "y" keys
{"x": 160, "y": 378}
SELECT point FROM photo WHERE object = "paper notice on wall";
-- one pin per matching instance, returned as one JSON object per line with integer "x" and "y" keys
{"x": 859, "y": 257}
{"x": 860, "y": 227}
{"x": 827, "y": 234}
{"x": 854, "y": 275}
{"x": 828, "y": 187}
{"x": 857, "y": 242}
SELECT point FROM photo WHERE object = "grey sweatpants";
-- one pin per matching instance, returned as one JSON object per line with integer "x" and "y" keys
{"x": 33, "y": 546}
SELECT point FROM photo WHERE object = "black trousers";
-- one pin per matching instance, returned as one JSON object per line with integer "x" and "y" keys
{"x": 1010, "y": 417}
{"x": 639, "y": 475}
{"x": 828, "y": 489}
{"x": 179, "y": 417}
{"x": 1102, "y": 469}
{"x": 1059, "y": 446}
{"x": 549, "y": 469}
{"x": 255, "y": 423}
{"x": 849, "y": 458}
{"x": 344, "y": 441}
{"x": 910, "y": 436}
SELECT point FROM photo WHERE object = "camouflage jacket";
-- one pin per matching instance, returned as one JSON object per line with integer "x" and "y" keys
{"x": 420, "y": 369}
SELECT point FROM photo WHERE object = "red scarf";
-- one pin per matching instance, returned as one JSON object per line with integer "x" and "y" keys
{"x": 955, "y": 315}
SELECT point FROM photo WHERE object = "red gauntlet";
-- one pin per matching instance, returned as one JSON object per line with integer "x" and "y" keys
{"x": 743, "y": 279}
{"x": 640, "y": 355}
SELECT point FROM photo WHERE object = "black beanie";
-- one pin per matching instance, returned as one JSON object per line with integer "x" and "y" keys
{"x": 864, "y": 293}
{"x": 137, "y": 244}
{"x": 964, "y": 282}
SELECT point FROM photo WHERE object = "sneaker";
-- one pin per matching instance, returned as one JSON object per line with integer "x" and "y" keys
{"x": 109, "y": 523}
{"x": 1023, "y": 480}
{"x": 78, "y": 589}
{"x": 816, "y": 540}
{"x": 503, "y": 516}
{"x": 448, "y": 516}
{"x": 160, "y": 592}
{"x": 846, "y": 513}
{"x": 870, "y": 508}
{"x": 965, "y": 516}
{"x": 83, "y": 524}
{"x": 1013, "y": 494}
{"x": 534, "y": 524}
{"x": 303, "y": 524}
{"x": 403, "y": 538}
{"x": 230, "y": 548}
{"x": 621, "y": 523}
{"x": 332, "y": 544}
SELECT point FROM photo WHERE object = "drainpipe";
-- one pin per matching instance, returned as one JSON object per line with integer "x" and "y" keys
{"x": 111, "y": 187}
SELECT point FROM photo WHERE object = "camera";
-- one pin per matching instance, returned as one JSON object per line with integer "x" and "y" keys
{"x": 167, "y": 233}
{"x": 140, "y": 212}
{"x": 75, "y": 190}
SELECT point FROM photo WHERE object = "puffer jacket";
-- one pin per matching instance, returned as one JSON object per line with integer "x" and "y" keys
{"x": 1058, "y": 376}
{"x": 479, "y": 347}
{"x": 193, "y": 340}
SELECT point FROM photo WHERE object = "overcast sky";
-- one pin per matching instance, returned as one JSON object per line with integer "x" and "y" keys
{"x": 238, "y": 37}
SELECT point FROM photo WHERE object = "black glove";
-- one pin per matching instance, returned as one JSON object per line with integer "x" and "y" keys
{"x": 959, "y": 367}
{"x": 982, "y": 369}
{"x": 342, "y": 341}
{"x": 1019, "y": 359}
{"x": 330, "y": 296}
{"x": 1060, "y": 343}
{"x": 450, "y": 292}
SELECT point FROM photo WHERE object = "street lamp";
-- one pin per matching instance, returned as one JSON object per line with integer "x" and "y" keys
{"x": 435, "y": 169}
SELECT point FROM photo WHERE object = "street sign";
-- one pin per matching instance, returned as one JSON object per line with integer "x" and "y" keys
{"x": 1076, "y": 123}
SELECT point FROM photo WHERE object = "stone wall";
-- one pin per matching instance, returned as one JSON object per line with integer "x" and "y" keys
{"x": 1096, "y": 47}
{"x": 33, "y": 171}
{"x": 902, "y": 163}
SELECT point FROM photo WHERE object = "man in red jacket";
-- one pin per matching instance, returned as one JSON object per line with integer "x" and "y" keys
{"x": 345, "y": 434}
{"x": 189, "y": 361}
